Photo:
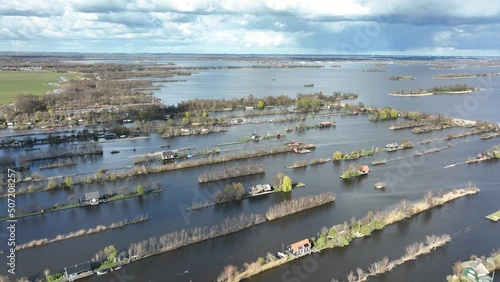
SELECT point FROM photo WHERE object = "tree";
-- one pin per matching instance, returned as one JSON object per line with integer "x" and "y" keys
{"x": 337, "y": 156}
{"x": 261, "y": 105}
{"x": 68, "y": 181}
{"x": 110, "y": 252}
{"x": 382, "y": 115}
{"x": 51, "y": 185}
{"x": 287, "y": 184}
{"x": 140, "y": 189}
{"x": 29, "y": 103}
{"x": 393, "y": 114}
{"x": 278, "y": 180}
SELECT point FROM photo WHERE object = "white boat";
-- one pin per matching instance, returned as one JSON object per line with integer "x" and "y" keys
{"x": 102, "y": 272}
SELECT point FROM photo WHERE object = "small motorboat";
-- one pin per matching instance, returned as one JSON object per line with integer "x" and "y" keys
{"x": 102, "y": 272}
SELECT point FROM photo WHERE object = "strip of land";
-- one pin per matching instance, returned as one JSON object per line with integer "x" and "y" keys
{"x": 342, "y": 234}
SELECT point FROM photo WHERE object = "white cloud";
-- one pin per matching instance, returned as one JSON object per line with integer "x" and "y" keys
{"x": 246, "y": 25}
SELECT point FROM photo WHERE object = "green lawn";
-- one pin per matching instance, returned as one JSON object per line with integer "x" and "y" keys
{"x": 13, "y": 83}
{"x": 494, "y": 216}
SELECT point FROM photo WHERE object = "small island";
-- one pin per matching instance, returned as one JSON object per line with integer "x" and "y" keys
{"x": 464, "y": 75}
{"x": 453, "y": 76}
{"x": 399, "y": 77}
{"x": 374, "y": 70}
{"x": 443, "y": 89}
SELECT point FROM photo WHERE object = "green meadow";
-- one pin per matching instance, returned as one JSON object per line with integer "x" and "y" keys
{"x": 13, "y": 83}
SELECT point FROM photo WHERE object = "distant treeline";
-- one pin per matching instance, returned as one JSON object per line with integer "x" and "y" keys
{"x": 302, "y": 102}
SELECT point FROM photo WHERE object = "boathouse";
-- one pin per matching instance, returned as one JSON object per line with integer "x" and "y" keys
{"x": 260, "y": 188}
{"x": 91, "y": 198}
{"x": 77, "y": 271}
{"x": 300, "y": 248}
{"x": 325, "y": 124}
{"x": 476, "y": 271}
{"x": 167, "y": 155}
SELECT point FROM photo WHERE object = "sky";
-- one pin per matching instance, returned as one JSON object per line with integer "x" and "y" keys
{"x": 381, "y": 27}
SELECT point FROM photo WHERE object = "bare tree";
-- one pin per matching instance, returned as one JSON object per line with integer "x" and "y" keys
{"x": 351, "y": 277}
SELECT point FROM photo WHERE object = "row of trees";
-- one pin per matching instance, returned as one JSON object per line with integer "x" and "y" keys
{"x": 177, "y": 239}
{"x": 231, "y": 172}
{"x": 383, "y": 114}
{"x": 296, "y": 205}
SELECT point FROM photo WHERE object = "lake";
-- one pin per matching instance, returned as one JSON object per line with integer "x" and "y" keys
{"x": 409, "y": 178}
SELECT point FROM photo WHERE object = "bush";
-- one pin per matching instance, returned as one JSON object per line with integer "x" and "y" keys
{"x": 236, "y": 191}
{"x": 337, "y": 156}
{"x": 140, "y": 189}
{"x": 321, "y": 242}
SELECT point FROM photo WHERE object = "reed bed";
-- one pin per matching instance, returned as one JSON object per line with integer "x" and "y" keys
{"x": 184, "y": 237}
{"x": 413, "y": 251}
{"x": 231, "y": 173}
{"x": 296, "y": 205}
{"x": 82, "y": 232}
{"x": 319, "y": 161}
{"x": 341, "y": 235}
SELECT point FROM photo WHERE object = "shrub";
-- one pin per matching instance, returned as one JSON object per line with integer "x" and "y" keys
{"x": 140, "y": 189}
{"x": 337, "y": 156}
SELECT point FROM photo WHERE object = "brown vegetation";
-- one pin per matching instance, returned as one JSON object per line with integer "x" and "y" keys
{"x": 177, "y": 239}
{"x": 340, "y": 235}
{"x": 413, "y": 251}
{"x": 231, "y": 173}
{"x": 82, "y": 232}
{"x": 296, "y": 205}
{"x": 232, "y": 192}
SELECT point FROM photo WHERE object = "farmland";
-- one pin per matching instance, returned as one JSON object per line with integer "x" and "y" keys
{"x": 14, "y": 83}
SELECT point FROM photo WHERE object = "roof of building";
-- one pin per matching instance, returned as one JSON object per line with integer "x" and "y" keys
{"x": 364, "y": 168}
{"x": 297, "y": 246}
{"x": 92, "y": 195}
{"x": 167, "y": 153}
{"x": 478, "y": 267}
{"x": 77, "y": 268}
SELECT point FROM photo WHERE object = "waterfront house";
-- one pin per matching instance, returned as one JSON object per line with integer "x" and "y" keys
{"x": 475, "y": 271}
{"x": 325, "y": 124}
{"x": 167, "y": 155}
{"x": 255, "y": 137}
{"x": 260, "y": 188}
{"x": 364, "y": 169}
{"x": 91, "y": 198}
{"x": 77, "y": 271}
{"x": 300, "y": 248}
{"x": 109, "y": 135}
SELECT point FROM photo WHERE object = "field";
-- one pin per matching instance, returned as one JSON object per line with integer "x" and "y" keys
{"x": 13, "y": 83}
